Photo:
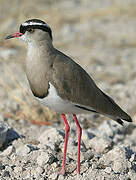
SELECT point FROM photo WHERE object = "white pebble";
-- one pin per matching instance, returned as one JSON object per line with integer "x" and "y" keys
{"x": 133, "y": 157}
{"x": 53, "y": 176}
{"x": 8, "y": 151}
{"x": 107, "y": 169}
{"x": 39, "y": 170}
{"x": 17, "y": 169}
{"x": 23, "y": 150}
{"x": 117, "y": 167}
{"x": 100, "y": 145}
{"x": 43, "y": 158}
{"x": 61, "y": 177}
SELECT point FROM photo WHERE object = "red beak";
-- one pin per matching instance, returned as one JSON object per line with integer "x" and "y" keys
{"x": 17, "y": 34}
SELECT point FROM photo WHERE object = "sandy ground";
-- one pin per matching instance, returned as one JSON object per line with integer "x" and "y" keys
{"x": 101, "y": 37}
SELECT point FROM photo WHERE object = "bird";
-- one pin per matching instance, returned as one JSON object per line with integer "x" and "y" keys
{"x": 61, "y": 84}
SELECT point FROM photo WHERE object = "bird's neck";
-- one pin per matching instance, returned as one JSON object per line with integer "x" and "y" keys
{"x": 40, "y": 54}
{"x": 38, "y": 62}
{"x": 40, "y": 50}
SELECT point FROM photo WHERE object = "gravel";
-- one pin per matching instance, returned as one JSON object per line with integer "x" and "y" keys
{"x": 101, "y": 156}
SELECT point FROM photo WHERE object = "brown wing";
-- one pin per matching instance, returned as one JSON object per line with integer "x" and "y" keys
{"x": 75, "y": 85}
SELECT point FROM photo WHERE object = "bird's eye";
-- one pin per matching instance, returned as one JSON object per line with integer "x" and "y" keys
{"x": 31, "y": 30}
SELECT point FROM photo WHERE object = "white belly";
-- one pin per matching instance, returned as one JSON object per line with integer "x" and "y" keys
{"x": 57, "y": 104}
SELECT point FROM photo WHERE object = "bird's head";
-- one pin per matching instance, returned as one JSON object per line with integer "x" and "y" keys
{"x": 33, "y": 30}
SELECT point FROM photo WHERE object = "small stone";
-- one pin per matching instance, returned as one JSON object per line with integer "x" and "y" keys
{"x": 35, "y": 174}
{"x": 53, "y": 176}
{"x": 94, "y": 166}
{"x": 108, "y": 170}
{"x": 8, "y": 151}
{"x": 2, "y": 166}
{"x": 61, "y": 177}
{"x": 17, "y": 169}
{"x": 117, "y": 167}
{"x": 54, "y": 165}
{"x": 6, "y": 174}
{"x": 43, "y": 158}
{"x": 23, "y": 150}
{"x": 39, "y": 170}
{"x": 79, "y": 177}
{"x": 87, "y": 135}
{"x": 100, "y": 145}
{"x": 8, "y": 168}
{"x": 133, "y": 158}
{"x": 132, "y": 174}
{"x": 88, "y": 155}
{"x": 51, "y": 135}
{"x": 116, "y": 157}
{"x": 84, "y": 167}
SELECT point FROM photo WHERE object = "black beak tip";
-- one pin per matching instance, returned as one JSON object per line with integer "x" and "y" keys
{"x": 9, "y": 37}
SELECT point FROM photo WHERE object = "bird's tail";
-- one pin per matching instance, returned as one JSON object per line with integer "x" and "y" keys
{"x": 117, "y": 113}
{"x": 120, "y": 120}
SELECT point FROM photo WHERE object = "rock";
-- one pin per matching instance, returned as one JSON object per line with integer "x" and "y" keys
{"x": 119, "y": 166}
{"x": 87, "y": 156}
{"x": 117, "y": 159}
{"x": 133, "y": 158}
{"x": 39, "y": 170}
{"x": 53, "y": 176}
{"x": 6, "y": 174}
{"x": 18, "y": 169}
{"x": 108, "y": 129}
{"x": 83, "y": 168}
{"x": 37, "y": 173}
{"x": 1, "y": 166}
{"x": 43, "y": 158}
{"x": 100, "y": 145}
{"x": 8, "y": 168}
{"x": 8, "y": 151}
{"x": 108, "y": 170}
{"x": 86, "y": 135}
{"x": 3, "y": 133}
{"x": 61, "y": 177}
{"x": 54, "y": 165}
{"x": 23, "y": 150}
{"x": 51, "y": 135}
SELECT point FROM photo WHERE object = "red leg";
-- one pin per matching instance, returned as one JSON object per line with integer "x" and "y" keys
{"x": 79, "y": 131}
{"x": 67, "y": 129}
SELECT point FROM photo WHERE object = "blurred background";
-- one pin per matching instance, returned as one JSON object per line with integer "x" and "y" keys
{"x": 100, "y": 35}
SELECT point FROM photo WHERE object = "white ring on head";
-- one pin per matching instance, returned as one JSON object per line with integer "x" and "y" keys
{"x": 34, "y": 23}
